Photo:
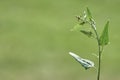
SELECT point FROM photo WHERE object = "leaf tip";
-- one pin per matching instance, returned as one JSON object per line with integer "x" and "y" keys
{"x": 89, "y": 13}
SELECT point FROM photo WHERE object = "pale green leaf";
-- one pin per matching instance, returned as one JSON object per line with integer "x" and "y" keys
{"x": 84, "y": 62}
{"x": 76, "y": 27}
{"x": 104, "y": 38}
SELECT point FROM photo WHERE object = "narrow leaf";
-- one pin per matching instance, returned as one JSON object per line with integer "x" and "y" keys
{"x": 104, "y": 38}
{"x": 87, "y": 33}
{"x": 82, "y": 23}
{"x": 84, "y": 62}
{"x": 89, "y": 13}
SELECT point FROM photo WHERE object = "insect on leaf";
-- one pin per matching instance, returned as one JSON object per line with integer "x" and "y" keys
{"x": 89, "y": 13}
{"x": 104, "y": 38}
{"x": 84, "y": 62}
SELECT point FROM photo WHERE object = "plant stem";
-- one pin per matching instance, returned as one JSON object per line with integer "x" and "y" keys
{"x": 99, "y": 51}
{"x": 99, "y": 57}
{"x": 100, "y": 48}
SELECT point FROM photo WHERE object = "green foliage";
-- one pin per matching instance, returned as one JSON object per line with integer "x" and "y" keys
{"x": 104, "y": 38}
{"x": 89, "y": 13}
{"x": 87, "y": 33}
{"x": 91, "y": 20}
{"x": 76, "y": 27}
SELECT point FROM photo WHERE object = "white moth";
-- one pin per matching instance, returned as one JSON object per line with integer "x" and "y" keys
{"x": 84, "y": 62}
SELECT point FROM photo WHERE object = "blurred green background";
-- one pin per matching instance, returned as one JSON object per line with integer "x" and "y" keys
{"x": 35, "y": 39}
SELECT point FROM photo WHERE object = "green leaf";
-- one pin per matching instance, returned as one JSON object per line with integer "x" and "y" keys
{"x": 84, "y": 62}
{"x": 82, "y": 23}
{"x": 104, "y": 38}
{"x": 76, "y": 27}
{"x": 87, "y": 33}
{"x": 89, "y": 13}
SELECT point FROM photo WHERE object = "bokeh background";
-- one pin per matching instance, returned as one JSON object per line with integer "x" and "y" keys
{"x": 35, "y": 39}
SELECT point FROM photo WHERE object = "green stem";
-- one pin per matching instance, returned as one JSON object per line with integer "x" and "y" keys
{"x": 99, "y": 57}
{"x": 99, "y": 51}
